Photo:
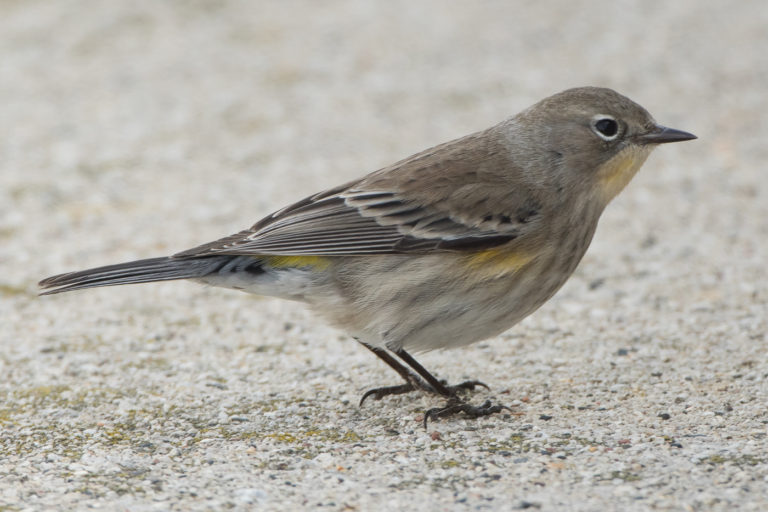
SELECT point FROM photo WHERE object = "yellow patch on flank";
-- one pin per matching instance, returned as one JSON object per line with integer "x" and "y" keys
{"x": 313, "y": 262}
{"x": 500, "y": 261}
{"x": 619, "y": 170}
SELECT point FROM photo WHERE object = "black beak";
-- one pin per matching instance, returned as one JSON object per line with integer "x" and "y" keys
{"x": 662, "y": 135}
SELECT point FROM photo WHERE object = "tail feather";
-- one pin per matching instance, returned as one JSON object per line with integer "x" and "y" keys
{"x": 141, "y": 271}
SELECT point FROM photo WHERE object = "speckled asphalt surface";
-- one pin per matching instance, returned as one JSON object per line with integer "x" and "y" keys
{"x": 137, "y": 129}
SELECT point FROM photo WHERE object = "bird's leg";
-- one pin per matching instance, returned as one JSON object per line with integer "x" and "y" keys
{"x": 412, "y": 381}
{"x": 455, "y": 404}
{"x": 427, "y": 382}
{"x": 440, "y": 386}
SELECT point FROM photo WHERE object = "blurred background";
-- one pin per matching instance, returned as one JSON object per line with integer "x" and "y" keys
{"x": 138, "y": 129}
{"x": 211, "y": 114}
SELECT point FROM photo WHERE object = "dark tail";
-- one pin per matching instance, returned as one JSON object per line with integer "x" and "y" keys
{"x": 141, "y": 271}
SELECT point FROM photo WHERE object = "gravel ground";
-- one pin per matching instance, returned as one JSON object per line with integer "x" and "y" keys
{"x": 135, "y": 129}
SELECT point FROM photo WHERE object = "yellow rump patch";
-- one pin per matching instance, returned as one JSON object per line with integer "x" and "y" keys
{"x": 500, "y": 261}
{"x": 313, "y": 262}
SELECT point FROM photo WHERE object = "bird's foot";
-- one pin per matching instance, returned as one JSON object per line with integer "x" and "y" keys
{"x": 416, "y": 384}
{"x": 455, "y": 406}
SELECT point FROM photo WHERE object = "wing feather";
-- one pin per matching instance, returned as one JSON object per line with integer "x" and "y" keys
{"x": 443, "y": 199}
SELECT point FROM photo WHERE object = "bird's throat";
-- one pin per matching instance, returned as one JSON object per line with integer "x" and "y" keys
{"x": 614, "y": 174}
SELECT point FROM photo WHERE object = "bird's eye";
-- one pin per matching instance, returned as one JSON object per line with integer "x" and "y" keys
{"x": 606, "y": 127}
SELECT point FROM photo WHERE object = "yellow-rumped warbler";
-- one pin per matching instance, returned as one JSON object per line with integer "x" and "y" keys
{"x": 445, "y": 248}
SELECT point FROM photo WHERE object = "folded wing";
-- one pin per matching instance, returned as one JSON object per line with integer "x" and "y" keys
{"x": 443, "y": 199}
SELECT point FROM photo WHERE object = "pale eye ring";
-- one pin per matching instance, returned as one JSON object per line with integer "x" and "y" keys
{"x": 605, "y": 126}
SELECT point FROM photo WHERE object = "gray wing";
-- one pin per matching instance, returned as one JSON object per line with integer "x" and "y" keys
{"x": 354, "y": 223}
{"x": 438, "y": 200}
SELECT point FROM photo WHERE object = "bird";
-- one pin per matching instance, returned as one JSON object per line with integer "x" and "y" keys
{"x": 450, "y": 246}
